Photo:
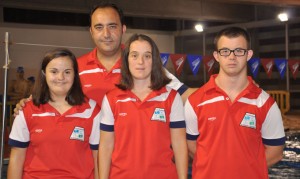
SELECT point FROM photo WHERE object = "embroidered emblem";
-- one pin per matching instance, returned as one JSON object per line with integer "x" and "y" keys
{"x": 78, "y": 133}
{"x": 249, "y": 120}
{"x": 87, "y": 85}
{"x": 38, "y": 130}
{"x": 159, "y": 115}
{"x": 123, "y": 114}
{"x": 212, "y": 118}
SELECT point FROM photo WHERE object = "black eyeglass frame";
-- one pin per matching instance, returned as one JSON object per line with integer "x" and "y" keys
{"x": 234, "y": 52}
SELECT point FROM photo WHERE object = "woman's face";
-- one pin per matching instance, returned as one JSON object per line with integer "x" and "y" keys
{"x": 140, "y": 60}
{"x": 59, "y": 76}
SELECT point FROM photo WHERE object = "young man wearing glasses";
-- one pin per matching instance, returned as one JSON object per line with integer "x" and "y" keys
{"x": 234, "y": 128}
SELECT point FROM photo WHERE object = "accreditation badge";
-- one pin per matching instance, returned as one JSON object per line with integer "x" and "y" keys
{"x": 78, "y": 134}
{"x": 159, "y": 115}
{"x": 249, "y": 120}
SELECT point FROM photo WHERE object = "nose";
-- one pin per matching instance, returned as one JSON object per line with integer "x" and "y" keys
{"x": 140, "y": 60}
{"x": 61, "y": 76}
{"x": 106, "y": 32}
{"x": 232, "y": 56}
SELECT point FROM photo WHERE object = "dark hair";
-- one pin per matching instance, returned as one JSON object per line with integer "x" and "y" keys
{"x": 233, "y": 32}
{"x": 20, "y": 70}
{"x": 108, "y": 5}
{"x": 41, "y": 93}
{"x": 158, "y": 76}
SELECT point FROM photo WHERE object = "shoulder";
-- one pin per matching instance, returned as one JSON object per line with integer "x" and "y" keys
{"x": 115, "y": 94}
{"x": 115, "y": 91}
{"x": 265, "y": 97}
{"x": 92, "y": 104}
{"x": 200, "y": 91}
{"x": 30, "y": 108}
{"x": 29, "y": 104}
{"x": 258, "y": 93}
{"x": 200, "y": 94}
{"x": 171, "y": 92}
{"x": 85, "y": 57}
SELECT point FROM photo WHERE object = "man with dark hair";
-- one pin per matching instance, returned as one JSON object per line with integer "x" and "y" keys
{"x": 233, "y": 127}
{"x": 100, "y": 69}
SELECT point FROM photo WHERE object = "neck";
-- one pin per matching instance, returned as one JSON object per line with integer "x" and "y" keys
{"x": 60, "y": 104}
{"x": 141, "y": 89}
{"x": 232, "y": 86}
{"x": 109, "y": 60}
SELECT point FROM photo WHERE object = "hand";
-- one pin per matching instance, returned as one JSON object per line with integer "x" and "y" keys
{"x": 21, "y": 105}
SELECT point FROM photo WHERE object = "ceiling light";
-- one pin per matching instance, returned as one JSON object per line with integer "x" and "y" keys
{"x": 283, "y": 17}
{"x": 199, "y": 28}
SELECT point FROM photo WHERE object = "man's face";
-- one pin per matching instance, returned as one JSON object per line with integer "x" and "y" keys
{"x": 236, "y": 62}
{"x": 106, "y": 30}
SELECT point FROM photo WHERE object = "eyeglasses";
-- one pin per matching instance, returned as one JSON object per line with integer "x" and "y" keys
{"x": 237, "y": 52}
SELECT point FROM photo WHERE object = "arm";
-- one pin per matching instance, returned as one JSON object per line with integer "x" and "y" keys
{"x": 273, "y": 135}
{"x": 16, "y": 163}
{"x": 273, "y": 154}
{"x": 192, "y": 130}
{"x": 192, "y": 147}
{"x": 187, "y": 93}
{"x": 105, "y": 152}
{"x": 178, "y": 139}
{"x": 95, "y": 156}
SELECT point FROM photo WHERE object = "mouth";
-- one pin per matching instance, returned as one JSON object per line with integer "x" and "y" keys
{"x": 59, "y": 83}
{"x": 107, "y": 41}
{"x": 140, "y": 69}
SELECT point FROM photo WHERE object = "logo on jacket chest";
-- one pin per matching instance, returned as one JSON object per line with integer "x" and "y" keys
{"x": 159, "y": 115}
{"x": 78, "y": 134}
{"x": 249, "y": 120}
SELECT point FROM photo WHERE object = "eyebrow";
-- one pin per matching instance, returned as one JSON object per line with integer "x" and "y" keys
{"x": 231, "y": 49}
{"x": 101, "y": 24}
{"x": 57, "y": 69}
{"x": 134, "y": 51}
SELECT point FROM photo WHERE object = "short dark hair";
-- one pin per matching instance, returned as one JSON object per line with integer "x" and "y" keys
{"x": 158, "y": 76}
{"x": 233, "y": 32}
{"x": 108, "y": 5}
{"x": 41, "y": 93}
{"x": 20, "y": 70}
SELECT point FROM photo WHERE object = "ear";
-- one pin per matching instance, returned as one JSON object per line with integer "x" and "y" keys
{"x": 124, "y": 29}
{"x": 215, "y": 54}
{"x": 91, "y": 31}
{"x": 249, "y": 54}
